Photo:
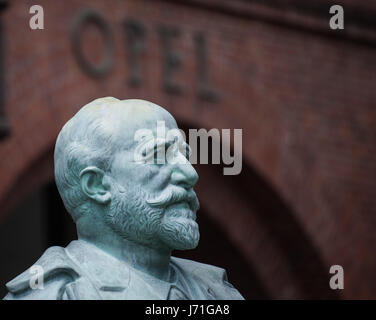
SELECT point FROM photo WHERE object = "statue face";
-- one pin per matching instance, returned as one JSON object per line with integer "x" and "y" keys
{"x": 154, "y": 203}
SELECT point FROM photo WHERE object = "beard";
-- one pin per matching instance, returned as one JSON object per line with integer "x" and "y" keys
{"x": 164, "y": 221}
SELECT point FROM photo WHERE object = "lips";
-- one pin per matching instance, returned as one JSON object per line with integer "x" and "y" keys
{"x": 174, "y": 196}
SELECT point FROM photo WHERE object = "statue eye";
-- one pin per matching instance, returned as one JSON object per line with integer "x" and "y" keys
{"x": 147, "y": 153}
{"x": 158, "y": 153}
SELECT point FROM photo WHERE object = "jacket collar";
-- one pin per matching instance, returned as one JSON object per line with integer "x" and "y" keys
{"x": 114, "y": 279}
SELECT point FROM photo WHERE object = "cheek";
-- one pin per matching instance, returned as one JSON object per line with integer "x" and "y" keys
{"x": 158, "y": 178}
{"x": 136, "y": 174}
{"x": 147, "y": 173}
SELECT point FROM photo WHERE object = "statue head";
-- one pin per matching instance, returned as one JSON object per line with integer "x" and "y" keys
{"x": 115, "y": 174}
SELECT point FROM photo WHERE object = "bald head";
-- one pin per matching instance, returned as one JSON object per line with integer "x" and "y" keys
{"x": 94, "y": 135}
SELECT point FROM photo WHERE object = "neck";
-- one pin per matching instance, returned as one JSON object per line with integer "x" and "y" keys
{"x": 152, "y": 261}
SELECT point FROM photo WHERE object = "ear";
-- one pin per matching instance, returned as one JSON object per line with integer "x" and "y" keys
{"x": 94, "y": 185}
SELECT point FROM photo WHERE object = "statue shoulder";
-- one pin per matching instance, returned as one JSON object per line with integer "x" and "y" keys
{"x": 206, "y": 270}
{"x": 52, "y": 272}
{"x": 211, "y": 278}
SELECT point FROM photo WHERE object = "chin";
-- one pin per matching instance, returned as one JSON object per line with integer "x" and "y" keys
{"x": 184, "y": 235}
{"x": 185, "y": 246}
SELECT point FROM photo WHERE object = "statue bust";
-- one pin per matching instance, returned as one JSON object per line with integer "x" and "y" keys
{"x": 131, "y": 211}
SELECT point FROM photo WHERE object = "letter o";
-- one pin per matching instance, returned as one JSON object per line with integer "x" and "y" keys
{"x": 83, "y": 18}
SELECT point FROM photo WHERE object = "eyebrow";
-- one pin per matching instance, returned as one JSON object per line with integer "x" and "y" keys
{"x": 157, "y": 143}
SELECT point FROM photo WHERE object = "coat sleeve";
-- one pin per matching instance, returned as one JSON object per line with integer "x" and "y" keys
{"x": 56, "y": 271}
{"x": 51, "y": 290}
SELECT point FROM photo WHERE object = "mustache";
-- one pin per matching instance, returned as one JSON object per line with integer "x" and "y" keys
{"x": 174, "y": 196}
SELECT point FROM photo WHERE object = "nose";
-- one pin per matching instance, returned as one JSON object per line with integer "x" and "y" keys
{"x": 184, "y": 175}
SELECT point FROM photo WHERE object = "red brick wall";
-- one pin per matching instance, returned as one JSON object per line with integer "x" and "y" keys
{"x": 305, "y": 101}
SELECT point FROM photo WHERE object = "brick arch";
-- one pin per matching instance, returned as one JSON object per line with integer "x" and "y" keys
{"x": 265, "y": 229}
{"x": 261, "y": 224}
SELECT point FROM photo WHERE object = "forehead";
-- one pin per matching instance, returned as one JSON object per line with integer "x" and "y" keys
{"x": 132, "y": 116}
